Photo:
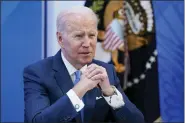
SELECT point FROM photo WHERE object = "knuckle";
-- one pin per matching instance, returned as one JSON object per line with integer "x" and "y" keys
{"x": 94, "y": 65}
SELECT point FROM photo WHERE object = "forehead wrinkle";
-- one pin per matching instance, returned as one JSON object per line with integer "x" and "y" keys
{"x": 64, "y": 16}
{"x": 79, "y": 23}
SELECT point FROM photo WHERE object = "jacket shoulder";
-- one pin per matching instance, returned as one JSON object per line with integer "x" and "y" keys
{"x": 42, "y": 65}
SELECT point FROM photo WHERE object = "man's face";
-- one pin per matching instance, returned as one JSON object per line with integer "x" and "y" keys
{"x": 79, "y": 40}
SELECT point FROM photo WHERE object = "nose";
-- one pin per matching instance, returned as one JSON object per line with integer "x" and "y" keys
{"x": 86, "y": 42}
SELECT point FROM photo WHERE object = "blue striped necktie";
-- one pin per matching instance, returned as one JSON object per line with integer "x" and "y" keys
{"x": 77, "y": 76}
{"x": 77, "y": 79}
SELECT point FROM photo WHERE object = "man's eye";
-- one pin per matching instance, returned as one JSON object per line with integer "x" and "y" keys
{"x": 79, "y": 36}
{"x": 92, "y": 35}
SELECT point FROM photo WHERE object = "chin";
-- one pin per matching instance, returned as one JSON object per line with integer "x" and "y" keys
{"x": 86, "y": 61}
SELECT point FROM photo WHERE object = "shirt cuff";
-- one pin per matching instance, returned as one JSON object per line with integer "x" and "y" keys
{"x": 116, "y": 100}
{"x": 77, "y": 103}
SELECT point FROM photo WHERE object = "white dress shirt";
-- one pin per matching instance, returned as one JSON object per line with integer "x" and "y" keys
{"x": 115, "y": 101}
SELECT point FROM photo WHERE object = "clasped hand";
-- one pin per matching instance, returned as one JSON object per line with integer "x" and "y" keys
{"x": 97, "y": 75}
{"x": 93, "y": 76}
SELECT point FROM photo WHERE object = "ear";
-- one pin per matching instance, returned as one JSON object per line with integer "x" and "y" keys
{"x": 59, "y": 38}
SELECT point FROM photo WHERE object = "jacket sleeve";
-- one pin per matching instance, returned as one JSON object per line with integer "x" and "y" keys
{"x": 37, "y": 103}
{"x": 129, "y": 112}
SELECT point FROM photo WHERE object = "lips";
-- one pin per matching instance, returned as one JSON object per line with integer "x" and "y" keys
{"x": 84, "y": 52}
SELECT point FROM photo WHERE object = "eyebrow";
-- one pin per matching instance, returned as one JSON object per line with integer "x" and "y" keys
{"x": 94, "y": 32}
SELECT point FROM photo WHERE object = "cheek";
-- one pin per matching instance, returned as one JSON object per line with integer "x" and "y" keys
{"x": 94, "y": 44}
{"x": 74, "y": 48}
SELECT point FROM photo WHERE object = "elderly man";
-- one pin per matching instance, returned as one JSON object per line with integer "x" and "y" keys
{"x": 71, "y": 86}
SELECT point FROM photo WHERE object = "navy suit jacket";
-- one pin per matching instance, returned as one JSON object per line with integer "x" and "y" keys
{"x": 46, "y": 84}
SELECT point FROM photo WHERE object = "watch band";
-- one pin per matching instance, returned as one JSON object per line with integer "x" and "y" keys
{"x": 115, "y": 100}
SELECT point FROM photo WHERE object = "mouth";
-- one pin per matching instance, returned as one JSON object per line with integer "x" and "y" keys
{"x": 85, "y": 53}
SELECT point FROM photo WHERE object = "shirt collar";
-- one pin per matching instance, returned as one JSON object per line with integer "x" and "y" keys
{"x": 70, "y": 68}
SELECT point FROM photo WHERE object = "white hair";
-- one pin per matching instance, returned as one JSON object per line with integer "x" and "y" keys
{"x": 77, "y": 10}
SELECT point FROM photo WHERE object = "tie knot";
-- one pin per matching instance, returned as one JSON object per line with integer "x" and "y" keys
{"x": 77, "y": 76}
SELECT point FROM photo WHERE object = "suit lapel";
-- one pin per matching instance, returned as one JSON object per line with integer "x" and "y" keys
{"x": 62, "y": 76}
